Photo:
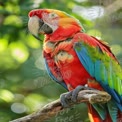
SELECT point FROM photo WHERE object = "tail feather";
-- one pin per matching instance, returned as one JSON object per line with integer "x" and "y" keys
{"x": 94, "y": 116}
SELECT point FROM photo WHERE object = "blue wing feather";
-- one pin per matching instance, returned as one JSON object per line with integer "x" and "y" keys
{"x": 95, "y": 69}
{"x": 53, "y": 77}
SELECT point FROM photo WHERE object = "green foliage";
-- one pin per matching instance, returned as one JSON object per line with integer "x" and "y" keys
{"x": 24, "y": 83}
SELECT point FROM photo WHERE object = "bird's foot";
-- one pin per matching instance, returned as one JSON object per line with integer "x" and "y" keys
{"x": 71, "y": 97}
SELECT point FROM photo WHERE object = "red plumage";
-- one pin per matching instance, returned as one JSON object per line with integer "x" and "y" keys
{"x": 61, "y": 59}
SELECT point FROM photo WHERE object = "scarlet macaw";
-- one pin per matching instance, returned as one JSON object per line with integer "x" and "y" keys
{"x": 75, "y": 59}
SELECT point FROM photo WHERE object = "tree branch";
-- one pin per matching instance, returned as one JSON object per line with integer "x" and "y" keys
{"x": 51, "y": 109}
{"x": 113, "y": 7}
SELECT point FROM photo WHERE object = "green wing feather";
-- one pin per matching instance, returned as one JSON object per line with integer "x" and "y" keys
{"x": 101, "y": 64}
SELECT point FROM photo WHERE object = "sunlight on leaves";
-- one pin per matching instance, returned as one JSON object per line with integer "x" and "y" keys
{"x": 18, "y": 108}
{"x": 89, "y": 13}
{"x": 6, "y": 95}
{"x": 34, "y": 101}
{"x": 3, "y": 44}
{"x": 71, "y": 4}
{"x": 19, "y": 51}
{"x": 13, "y": 20}
{"x": 12, "y": 8}
{"x": 32, "y": 42}
{"x": 117, "y": 49}
{"x": 95, "y": 33}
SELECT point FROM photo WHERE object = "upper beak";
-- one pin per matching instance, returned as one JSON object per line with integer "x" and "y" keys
{"x": 33, "y": 25}
{"x": 37, "y": 26}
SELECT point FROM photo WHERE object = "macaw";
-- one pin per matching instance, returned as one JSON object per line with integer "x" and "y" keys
{"x": 75, "y": 59}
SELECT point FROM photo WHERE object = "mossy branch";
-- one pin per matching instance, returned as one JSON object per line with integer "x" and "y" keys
{"x": 51, "y": 109}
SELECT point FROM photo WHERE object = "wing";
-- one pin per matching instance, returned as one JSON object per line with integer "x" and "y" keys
{"x": 101, "y": 64}
{"x": 53, "y": 70}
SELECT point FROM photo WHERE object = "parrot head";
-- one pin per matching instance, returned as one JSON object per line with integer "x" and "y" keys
{"x": 52, "y": 22}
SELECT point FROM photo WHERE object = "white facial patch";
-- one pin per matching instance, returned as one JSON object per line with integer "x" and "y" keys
{"x": 33, "y": 25}
{"x": 51, "y": 20}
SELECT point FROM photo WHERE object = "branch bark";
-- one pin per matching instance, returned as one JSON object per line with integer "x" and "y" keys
{"x": 51, "y": 109}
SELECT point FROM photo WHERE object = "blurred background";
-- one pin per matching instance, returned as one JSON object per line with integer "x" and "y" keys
{"x": 24, "y": 83}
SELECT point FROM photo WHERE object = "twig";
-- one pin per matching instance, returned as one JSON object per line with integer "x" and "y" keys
{"x": 116, "y": 5}
{"x": 51, "y": 109}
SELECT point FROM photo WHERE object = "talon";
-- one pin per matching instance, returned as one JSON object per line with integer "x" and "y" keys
{"x": 68, "y": 95}
{"x": 66, "y": 99}
{"x": 63, "y": 100}
{"x": 77, "y": 90}
{"x": 71, "y": 97}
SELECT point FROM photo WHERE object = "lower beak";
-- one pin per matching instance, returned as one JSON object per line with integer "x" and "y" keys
{"x": 45, "y": 29}
{"x": 37, "y": 37}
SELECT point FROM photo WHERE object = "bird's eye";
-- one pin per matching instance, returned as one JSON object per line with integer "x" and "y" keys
{"x": 53, "y": 15}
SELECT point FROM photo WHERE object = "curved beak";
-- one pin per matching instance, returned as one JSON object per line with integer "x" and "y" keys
{"x": 37, "y": 37}
{"x": 37, "y": 26}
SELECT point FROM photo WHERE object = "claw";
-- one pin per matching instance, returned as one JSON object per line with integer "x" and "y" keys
{"x": 75, "y": 93}
{"x": 77, "y": 90}
{"x": 64, "y": 98}
{"x": 71, "y": 97}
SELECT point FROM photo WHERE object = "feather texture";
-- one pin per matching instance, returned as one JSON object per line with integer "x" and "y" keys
{"x": 58, "y": 79}
{"x": 73, "y": 58}
{"x": 105, "y": 69}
